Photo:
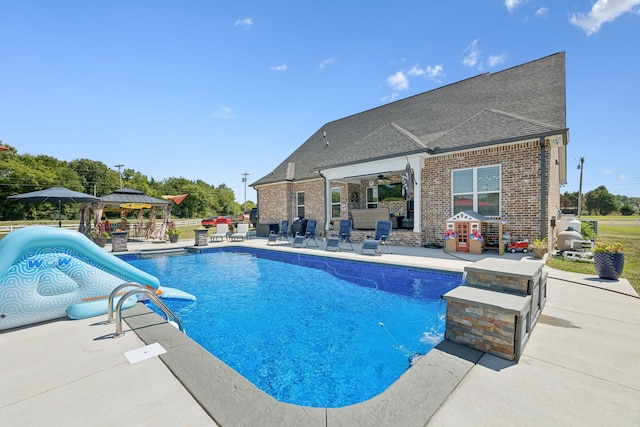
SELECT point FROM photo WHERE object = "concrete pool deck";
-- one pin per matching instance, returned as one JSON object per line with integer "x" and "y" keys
{"x": 579, "y": 367}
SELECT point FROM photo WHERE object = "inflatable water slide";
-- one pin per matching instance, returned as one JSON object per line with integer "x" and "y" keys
{"x": 48, "y": 273}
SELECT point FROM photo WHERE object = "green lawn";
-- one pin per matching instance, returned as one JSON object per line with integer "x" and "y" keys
{"x": 623, "y": 230}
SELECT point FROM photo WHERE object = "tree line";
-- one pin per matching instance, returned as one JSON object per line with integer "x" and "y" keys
{"x": 600, "y": 202}
{"x": 23, "y": 173}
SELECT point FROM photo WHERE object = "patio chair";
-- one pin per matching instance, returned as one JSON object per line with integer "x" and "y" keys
{"x": 336, "y": 242}
{"x": 311, "y": 233}
{"x": 383, "y": 231}
{"x": 221, "y": 233}
{"x": 272, "y": 239}
{"x": 242, "y": 232}
{"x": 283, "y": 231}
{"x": 344, "y": 234}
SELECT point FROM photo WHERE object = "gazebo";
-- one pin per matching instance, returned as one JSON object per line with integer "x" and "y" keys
{"x": 128, "y": 199}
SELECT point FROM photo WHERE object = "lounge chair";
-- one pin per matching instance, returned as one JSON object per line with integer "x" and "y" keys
{"x": 344, "y": 234}
{"x": 383, "y": 231}
{"x": 272, "y": 239}
{"x": 311, "y": 233}
{"x": 283, "y": 233}
{"x": 242, "y": 232}
{"x": 221, "y": 233}
{"x": 342, "y": 238}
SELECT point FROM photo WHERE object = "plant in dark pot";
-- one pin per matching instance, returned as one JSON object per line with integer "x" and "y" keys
{"x": 99, "y": 235}
{"x": 173, "y": 232}
{"x": 608, "y": 260}
{"x": 539, "y": 247}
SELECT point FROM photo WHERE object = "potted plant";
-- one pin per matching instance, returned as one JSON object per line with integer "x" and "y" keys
{"x": 173, "y": 232}
{"x": 99, "y": 235}
{"x": 608, "y": 260}
{"x": 539, "y": 247}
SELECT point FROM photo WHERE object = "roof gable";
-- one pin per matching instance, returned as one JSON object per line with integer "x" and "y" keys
{"x": 489, "y": 126}
{"x": 385, "y": 141}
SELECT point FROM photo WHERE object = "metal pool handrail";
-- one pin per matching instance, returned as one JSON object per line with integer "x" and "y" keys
{"x": 113, "y": 295}
{"x": 140, "y": 290}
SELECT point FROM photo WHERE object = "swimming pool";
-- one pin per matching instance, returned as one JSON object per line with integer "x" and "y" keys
{"x": 307, "y": 330}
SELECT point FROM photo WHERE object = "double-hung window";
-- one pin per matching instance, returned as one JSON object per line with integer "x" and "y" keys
{"x": 335, "y": 203}
{"x": 477, "y": 189}
{"x": 372, "y": 197}
{"x": 300, "y": 204}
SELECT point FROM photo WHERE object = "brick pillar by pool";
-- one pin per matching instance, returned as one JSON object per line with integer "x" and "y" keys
{"x": 119, "y": 241}
{"x": 201, "y": 237}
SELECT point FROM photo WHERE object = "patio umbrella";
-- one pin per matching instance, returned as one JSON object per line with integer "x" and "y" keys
{"x": 57, "y": 195}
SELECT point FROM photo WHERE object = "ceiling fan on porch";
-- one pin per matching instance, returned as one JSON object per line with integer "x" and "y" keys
{"x": 381, "y": 180}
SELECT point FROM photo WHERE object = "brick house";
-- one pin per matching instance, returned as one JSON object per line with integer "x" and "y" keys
{"x": 494, "y": 144}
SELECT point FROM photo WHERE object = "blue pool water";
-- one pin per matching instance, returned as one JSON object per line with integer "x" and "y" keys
{"x": 307, "y": 330}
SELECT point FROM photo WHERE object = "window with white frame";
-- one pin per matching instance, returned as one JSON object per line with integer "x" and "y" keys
{"x": 300, "y": 204}
{"x": 335, "y": 203}
{"x": 477, "y": 189}
{"x": 372, "y": 197}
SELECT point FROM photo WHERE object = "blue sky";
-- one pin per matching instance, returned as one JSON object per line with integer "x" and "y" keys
{"x": 213, "y": 89}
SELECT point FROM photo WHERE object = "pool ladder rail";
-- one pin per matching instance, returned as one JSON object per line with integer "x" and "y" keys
{"x": 139, "y": 289}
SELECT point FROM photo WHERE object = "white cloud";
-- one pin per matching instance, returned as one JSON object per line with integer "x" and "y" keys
{"x": 398, "y": 81}
{"x": 245, "y": 23}
{"x": 327, "y": 62}
{"x": 496, "y": 59}
{"x": 472, "y": 54}
{"x": 607, "y": 171}
{"x": 223, "y": 112}
{"x": 282, "y": 67}
{"x": 601, "y": 12}
{"x": 429, "y": 72}
{"x": 415, "y": 71}
{"x": 621, "y": 177}
{"x": 542, "y": 11}
{"x": 512, "y": 4}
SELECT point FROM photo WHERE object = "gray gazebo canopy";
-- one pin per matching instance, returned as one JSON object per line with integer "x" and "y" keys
{"x": 131, "y": 199}
{"x": 129, "y": 195}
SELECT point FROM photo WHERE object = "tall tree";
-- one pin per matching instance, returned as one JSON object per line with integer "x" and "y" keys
{"x": 96, "y": 177}
{"x": 600, "y": 201}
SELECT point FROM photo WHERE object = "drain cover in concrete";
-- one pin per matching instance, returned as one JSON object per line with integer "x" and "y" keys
{"x": 144, "y": 353}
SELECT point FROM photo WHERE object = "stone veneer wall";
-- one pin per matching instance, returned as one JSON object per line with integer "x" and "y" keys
{"x": 495, "y": 330}
{"x": 515, "y": 285}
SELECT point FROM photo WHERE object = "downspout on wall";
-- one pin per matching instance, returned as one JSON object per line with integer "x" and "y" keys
{"x": 543, "y": 189}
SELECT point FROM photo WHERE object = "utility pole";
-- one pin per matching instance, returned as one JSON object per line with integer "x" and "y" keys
{"x": 244, "y": 179}
{"x": 119, "y": 173}
{"x": 581, "y": 167}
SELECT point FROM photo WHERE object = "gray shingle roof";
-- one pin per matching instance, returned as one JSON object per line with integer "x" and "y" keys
{"x": 129, "y": 195}
{"x": 519, "y": 102}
